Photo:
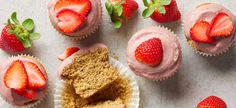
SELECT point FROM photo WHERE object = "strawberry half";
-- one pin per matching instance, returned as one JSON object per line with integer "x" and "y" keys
{"x": 199, "y": 32}
{"x": 150, "y": 52}
{"x": 35, "y": 76}
{"x": 68, "y": 52}
{"x": 221, "y": 25}
{"x": 212, "y": 102}
{"x": 69, "y": 20}
{"x": 83, "y": 7}
{"x": 16, "y": 77}
{"x": 28, "y": 93}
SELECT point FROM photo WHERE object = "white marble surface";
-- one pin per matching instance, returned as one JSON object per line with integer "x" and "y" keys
{"x": 198, "y": 77}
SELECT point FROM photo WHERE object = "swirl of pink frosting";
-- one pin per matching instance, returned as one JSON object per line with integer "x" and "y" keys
{"x": 93, "y": 19}
{"x": 172, "y": 54}
{"x": 206, "y": 12}
{"x": 9, "y": 94}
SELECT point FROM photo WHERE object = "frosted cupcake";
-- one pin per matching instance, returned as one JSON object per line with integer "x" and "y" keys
{"x": 23, "y": 81}
{"x": 154, "y": 53}
{"x": 75, "y": 18}
{"x": 210, "y": 29}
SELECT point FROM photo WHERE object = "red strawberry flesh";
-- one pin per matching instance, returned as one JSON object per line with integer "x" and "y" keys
{"x": 28, "y": 93}
{"x": 150, "y": 52}
{"x": 69, "y": 20}
{"x": 221, "y": 25}
{"x": 212, "y": 102}
{"x": 68, "y": 52}
{"x": 16, "y": 77}
{"x": 198, "y": 32}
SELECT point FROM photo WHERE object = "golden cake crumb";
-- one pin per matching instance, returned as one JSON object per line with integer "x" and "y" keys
{"x": 90, "y": 72}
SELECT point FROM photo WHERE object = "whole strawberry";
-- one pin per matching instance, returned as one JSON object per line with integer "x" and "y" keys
{"x": 16, "y": 37}
{"x": 121, "y": 10}
{"x": 162, "y": 11}
{"x": 212, "y": 102}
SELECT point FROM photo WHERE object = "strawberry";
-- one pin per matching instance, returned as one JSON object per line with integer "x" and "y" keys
{"x": 28, "y": 93}
{"x": 121, "y": 10}
{"x": 150, "y": 52}
{"x": 16, "y": 37}
{"x": 199, "y": 32}
{"x": 82, "y": 7}
{"x": 35, "y": 76}
{"x": 16, "y": 77}
{"x": 69, "y": 20}
{"x": 68, "y": 52}
{"x": 212, "y": 102}
{"x": 221, "y": 25}
{"x": 162, "y": 11}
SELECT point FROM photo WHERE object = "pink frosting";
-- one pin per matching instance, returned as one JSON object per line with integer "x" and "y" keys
{"x": 207, "y": 12}
{"x": 8, "y": 94}
{"x": 84, "y": 50}
{"x": 172, "y": 55}
{"x": 93, "y": 19}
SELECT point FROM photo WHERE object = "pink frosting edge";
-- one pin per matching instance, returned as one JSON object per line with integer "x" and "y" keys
{"x": 8, "y": 94}
{"x": 94, "y": 19}
{"x": 206, "y": 10}
{"x": 154, "y": 75}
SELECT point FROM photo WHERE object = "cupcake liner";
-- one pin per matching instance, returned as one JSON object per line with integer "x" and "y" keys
{"x": 91, "y": 30}
{"x": 34, "y": 104}
{"x": 123, "y": 71}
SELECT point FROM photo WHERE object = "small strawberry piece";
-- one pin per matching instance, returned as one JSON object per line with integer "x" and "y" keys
{"x": 129, "y": 8}
{"x": 35, "y": 76}
{"x": 83, "y": 7}
{"x": 68, "y": 52}
{"x": 69, "y": 20}
{"x": 221, "y": 25}
{"x": 16, "y": 77}
{"x": 199, "y": 32}
{"x": 212, "y": 102}
{"x": 28, "y": 93}
{"x": 150, "y": 52}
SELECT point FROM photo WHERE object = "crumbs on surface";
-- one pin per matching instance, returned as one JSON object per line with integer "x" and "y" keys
{"x": 118, "y": 93}
{"x": 90, "y": 72}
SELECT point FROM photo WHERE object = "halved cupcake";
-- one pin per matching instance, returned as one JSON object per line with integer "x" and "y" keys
{"x": 23, "y": 81}
{"x": 210, "y": 29}
{"x": 75, "y": 18}
{"x": 154, "y": 53}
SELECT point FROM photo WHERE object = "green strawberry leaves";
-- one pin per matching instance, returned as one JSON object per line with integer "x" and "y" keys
{"x": 154, "y": 5}
{"x": 23, "y": 32}
{"x": 115, "y": 11}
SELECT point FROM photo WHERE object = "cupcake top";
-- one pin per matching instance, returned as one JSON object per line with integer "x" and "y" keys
{"x": 75, "y": 18}
{"x": 154, "y": 53}
{"x": 23, "y": 80}
{"x": 217, "y": 25}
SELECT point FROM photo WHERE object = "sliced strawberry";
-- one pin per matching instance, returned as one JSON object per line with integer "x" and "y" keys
{"x": 83, "y": 7}
{"x": 35, "y": 76}
{"x": 221, "y": 25}
{"x": 68, "y": 52}
{"x": 150, "y": 52}
{"x": 199, "y": 32}
{"x": 69, "y": 20}
{"x": 212, "y": 102}
{"x": 28, "y": 93}
{"x": 16, "y": 77}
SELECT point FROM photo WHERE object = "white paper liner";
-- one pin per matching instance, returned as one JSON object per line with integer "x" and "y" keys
{"x": 31, "y": 105}
{"x": 123, "y": 71}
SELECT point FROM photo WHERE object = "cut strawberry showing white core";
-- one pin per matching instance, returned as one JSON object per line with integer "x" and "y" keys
{"x": 199, "y": 32}
{"x": 69, "y": 20}
{"x": 221, "y": 26}
{"x": 82, "y": 7}
{"x": 35, "y": 76}
{"x": 16, "y": 76}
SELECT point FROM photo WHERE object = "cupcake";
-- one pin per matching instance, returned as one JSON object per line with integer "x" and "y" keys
{"x": 75, "y": 18}
{"x": 210, "y": 29}
{"x": 91, "y": 81}
{"x": 23, "y": 81}
{"x": 154, "y": 53}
